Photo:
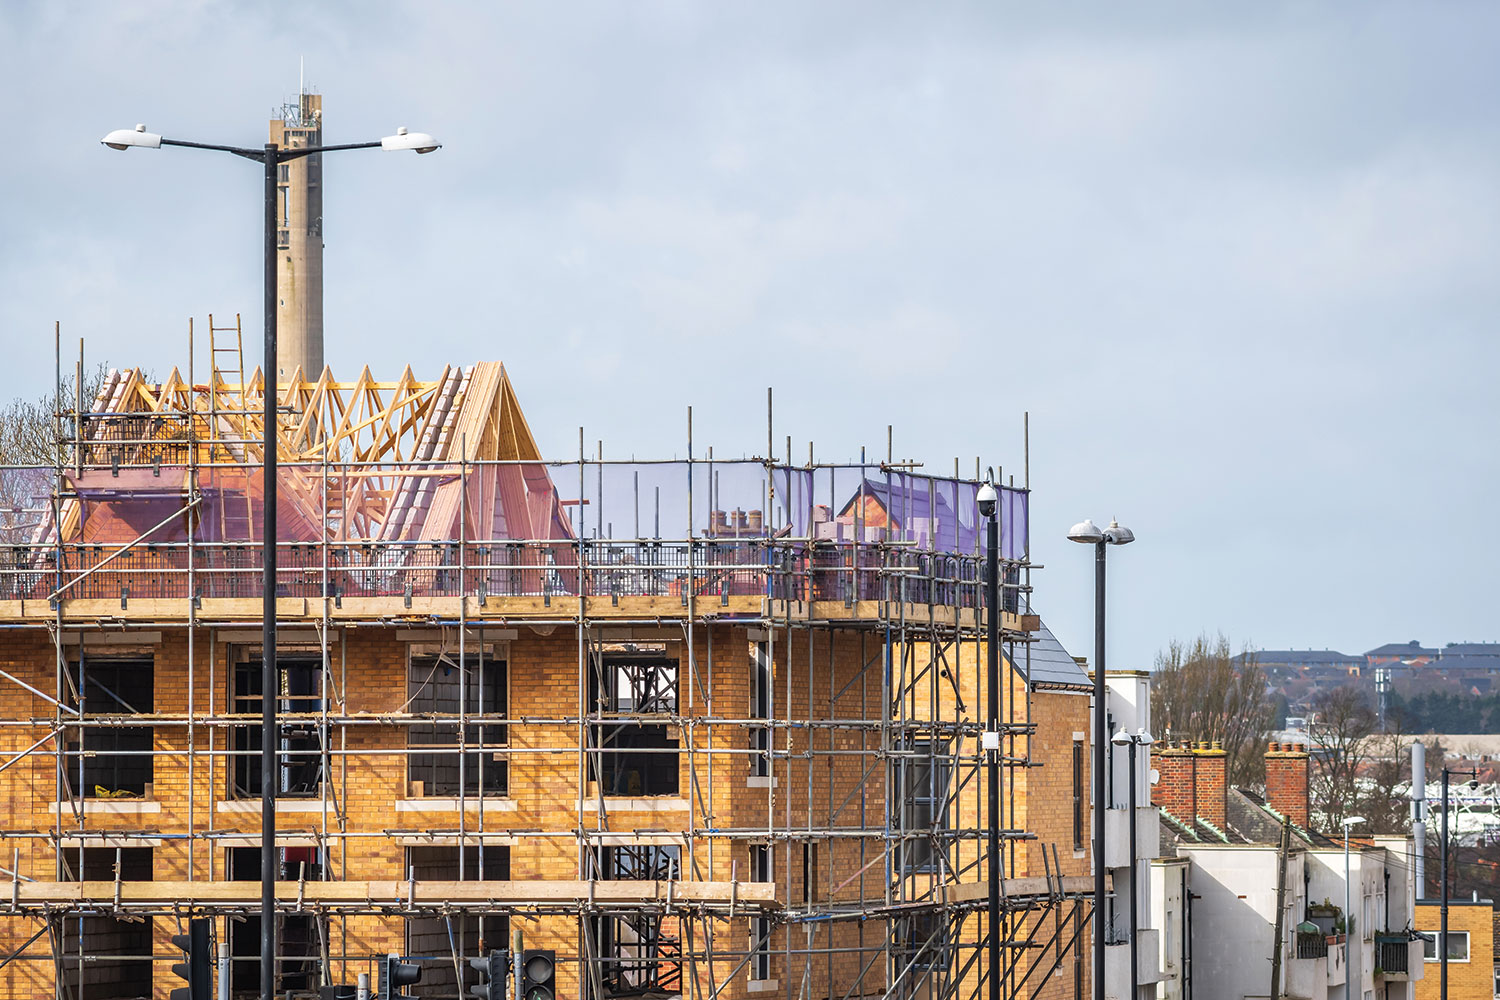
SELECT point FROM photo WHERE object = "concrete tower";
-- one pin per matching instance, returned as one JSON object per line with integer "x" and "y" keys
{"x": 299, "y": 241}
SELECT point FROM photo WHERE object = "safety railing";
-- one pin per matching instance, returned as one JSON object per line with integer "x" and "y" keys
{"x": 842, "y": 573}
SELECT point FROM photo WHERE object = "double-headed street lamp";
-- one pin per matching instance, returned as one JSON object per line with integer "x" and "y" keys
{"x": 270, "y": 156}
{"x": 1141, "y": 738}
{"x": 1089, "y": 533}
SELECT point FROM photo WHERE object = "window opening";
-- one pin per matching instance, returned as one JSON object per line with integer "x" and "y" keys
{"x": 760, "y": 708}
{"x": 300, "y": 935}
{"x": 640, "y": 953}
{"x": 433, "y": 687}
{"x": 116, "y": 952}
{"x": 1078, "y": 785}
{"x": 111, "y": 761}
{"x": 299, "y": 750}
{"x": 636, "y": 758}
{"x": 922, "y": 789}
{"x": 475, "y": 933}
{"x": 921, "y": 942}
{"x": 760, "y": 926}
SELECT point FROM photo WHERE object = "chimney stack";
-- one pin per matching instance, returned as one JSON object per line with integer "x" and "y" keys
{"x": 1193, "y": 782}
{"x": 1286, "y": 781}
{"x": 1211, "y": 779}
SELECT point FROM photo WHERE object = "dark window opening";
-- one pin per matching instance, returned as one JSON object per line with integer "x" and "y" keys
{"x": 921, "y": 941}
{"x": 1078, "y": 779}
{"x": 434, "y": 684}
{"x": 760, "y": 927}
{"x": 640, "y": 953}
{"x": 475, "y": 933}
{"x": 809, "y": 873}
{"x": 109, "y": 761}
{"x": 760, "y": 708}
{"x": 922, "y": 789}
{"x": 116, "y": 953}
{"x": 300, "y": 746}
{"x": 636, "y": 758}
{"x": 301, "y": 937}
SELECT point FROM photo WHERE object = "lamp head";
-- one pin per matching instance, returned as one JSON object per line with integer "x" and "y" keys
{"x": 1120, "y": 738}
{"x": 1086, "y": 532}
{"x": 124, "y": 138}
{"x": 419, "y": 141}
{"x": 987, "y": 498}
{"x": 1352, "y": 821}
{"x": 1116, "y": 535}
{"x": 1144, "y": 738}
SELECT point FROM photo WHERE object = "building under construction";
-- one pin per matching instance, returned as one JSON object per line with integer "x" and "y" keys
{"x": 704, "y": 728}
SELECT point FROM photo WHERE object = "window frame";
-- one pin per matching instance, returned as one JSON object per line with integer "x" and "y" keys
{"x": 1433, "y": 944}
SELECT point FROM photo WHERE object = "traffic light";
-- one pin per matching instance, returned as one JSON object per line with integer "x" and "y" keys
{"x": 538, "y": 975}
{"x": 198, "y": 970}
{"x": 493, "y": 967}
{"x": 397, "y": 974}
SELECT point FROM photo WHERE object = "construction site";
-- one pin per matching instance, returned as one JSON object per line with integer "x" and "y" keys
{"x": 706, "y": 728}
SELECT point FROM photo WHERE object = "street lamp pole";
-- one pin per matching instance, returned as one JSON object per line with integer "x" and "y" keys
{"x": 988, "y": 498}
{"x": 270, "y": 157}
{"x": 1087, "y": 532}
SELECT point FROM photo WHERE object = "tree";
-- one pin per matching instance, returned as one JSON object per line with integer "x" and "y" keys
{"x": 1204, "y": 692}
{"x": 1383, "y": 802}
{"x": 1341, "y": 724}
{"x": 28, "y": 437}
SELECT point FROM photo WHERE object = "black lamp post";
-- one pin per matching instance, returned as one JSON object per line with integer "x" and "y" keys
{"x": 988, "y": 501}
{"x": 1443, "y": 875}
{"x": 1087, "y": 532}
{"x": 1140, "y": 739}
{"x": 270, "y": 156}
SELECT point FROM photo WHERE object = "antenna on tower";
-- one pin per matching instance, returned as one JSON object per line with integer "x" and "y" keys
{"x": 301, "y": 87}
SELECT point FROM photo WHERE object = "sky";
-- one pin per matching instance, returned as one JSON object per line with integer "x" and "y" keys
{"x": 1236, "y": 261}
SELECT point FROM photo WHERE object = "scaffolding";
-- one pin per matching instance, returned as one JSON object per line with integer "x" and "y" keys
{"x": 707, "y": 727}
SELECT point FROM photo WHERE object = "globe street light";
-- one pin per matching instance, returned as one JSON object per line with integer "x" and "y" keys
{"x": 270, "y": 156}
{"x": 1088, "y": 533}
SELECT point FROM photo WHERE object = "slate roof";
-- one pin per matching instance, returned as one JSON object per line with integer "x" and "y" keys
{"x": 1413, "y": 648}
{"x": 1271, "y": 657}
{"x": 1486, "y": 649}
{"x": 1049, "y": 665}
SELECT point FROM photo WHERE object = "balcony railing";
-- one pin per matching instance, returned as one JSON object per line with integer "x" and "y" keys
{"x": 1312, "y": 946}
{"x": 1393, "y": 953}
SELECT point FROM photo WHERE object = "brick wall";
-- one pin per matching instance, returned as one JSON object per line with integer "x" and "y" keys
{"x": 829, "y": 779}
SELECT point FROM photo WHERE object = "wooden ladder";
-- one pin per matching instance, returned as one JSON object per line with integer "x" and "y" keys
{"x": 233, "y": 525}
